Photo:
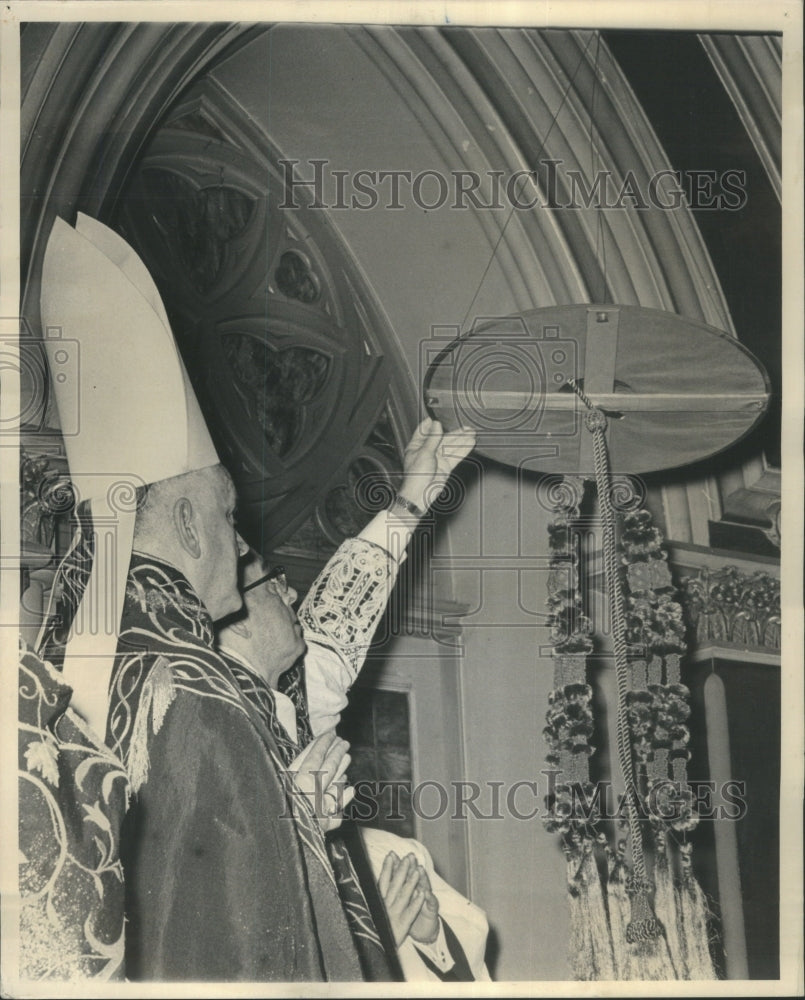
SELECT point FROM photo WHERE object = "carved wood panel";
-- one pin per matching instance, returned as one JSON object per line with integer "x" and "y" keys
{"x": 283, "y": 344}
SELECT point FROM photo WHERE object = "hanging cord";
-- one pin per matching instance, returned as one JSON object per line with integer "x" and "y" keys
{"x": 644, "y": 924}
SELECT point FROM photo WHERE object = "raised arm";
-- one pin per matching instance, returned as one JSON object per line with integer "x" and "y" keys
{"x": 341, "y": 611}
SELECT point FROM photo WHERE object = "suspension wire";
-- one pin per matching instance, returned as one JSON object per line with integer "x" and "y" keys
{"x": 508, "y": 219}
{"x": 595, "y": 163}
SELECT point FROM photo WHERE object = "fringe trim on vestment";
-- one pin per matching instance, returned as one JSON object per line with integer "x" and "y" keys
{"x": 156, "y": 697}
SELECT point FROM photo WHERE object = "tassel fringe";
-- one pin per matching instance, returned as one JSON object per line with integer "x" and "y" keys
{"x": 652, "y": 961}
{"x": 627, "y": 927}
{"x": 665, "y": 943}
{"x": 596, "y": 914}
{"x": 589, "y": 923}
{"x": 618, "y": 936}
{"x": 579, "y": 945}
{"x": 665, "y": 906}
{"x": 156, "y": 697}
{"x": 619, "y": 913}
{"x": 645, "y": 934}
{"x": 694, "y": 912}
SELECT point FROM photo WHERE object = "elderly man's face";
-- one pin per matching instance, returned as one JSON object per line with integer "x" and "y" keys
{"x": 221, "y": 544}
{"x": 276, "y": 635}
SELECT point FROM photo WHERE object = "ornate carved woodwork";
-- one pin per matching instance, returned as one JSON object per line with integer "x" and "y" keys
{"x": 729, "y": 605}
{"x": 91, "y": 94}
{"x": 731, "y": 602}
{"x": 284, "y": 347}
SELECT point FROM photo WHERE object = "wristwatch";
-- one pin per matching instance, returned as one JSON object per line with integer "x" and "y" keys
{"x": 398, "y": 500}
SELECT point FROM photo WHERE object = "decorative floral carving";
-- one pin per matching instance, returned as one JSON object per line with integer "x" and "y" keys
{"x": 276, "y": 385}
{"x": 732, "y": 606}
{"x": 368, "y": 487}
{"x": 197, "y": 223}
{"x": 296, "y": 279}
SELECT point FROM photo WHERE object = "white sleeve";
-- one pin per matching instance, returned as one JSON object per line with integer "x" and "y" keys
{"x": 391, "y": 531}
{"x": 340, "y": 613}
{"x": 327, "y": 679}
{"x": 437, "y": 951}
{"x": 466, "y": 920}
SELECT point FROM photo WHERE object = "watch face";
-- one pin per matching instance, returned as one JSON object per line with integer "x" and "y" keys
{"x": 401, "y": 501}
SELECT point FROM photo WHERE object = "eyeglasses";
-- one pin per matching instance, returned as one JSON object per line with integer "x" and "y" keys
{"x": 276, "y": 576}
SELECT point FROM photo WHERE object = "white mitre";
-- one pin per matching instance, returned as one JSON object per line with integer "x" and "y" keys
{"x": 116, "y": 370}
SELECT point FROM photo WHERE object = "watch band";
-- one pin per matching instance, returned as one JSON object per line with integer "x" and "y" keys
{"x": 399, "y": 500}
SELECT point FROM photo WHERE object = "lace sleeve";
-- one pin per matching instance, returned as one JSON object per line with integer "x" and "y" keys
{"x": 342, "y": 608}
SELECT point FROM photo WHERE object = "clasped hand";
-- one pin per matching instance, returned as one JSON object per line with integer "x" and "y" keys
{"x": 410, "y": 903}
{"x": 318, "y": 774}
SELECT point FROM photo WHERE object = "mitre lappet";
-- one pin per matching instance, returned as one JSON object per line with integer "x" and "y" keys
{"x": 130, "y": 418}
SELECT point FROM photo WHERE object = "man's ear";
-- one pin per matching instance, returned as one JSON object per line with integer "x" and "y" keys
{"x": 184, "y": 522}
